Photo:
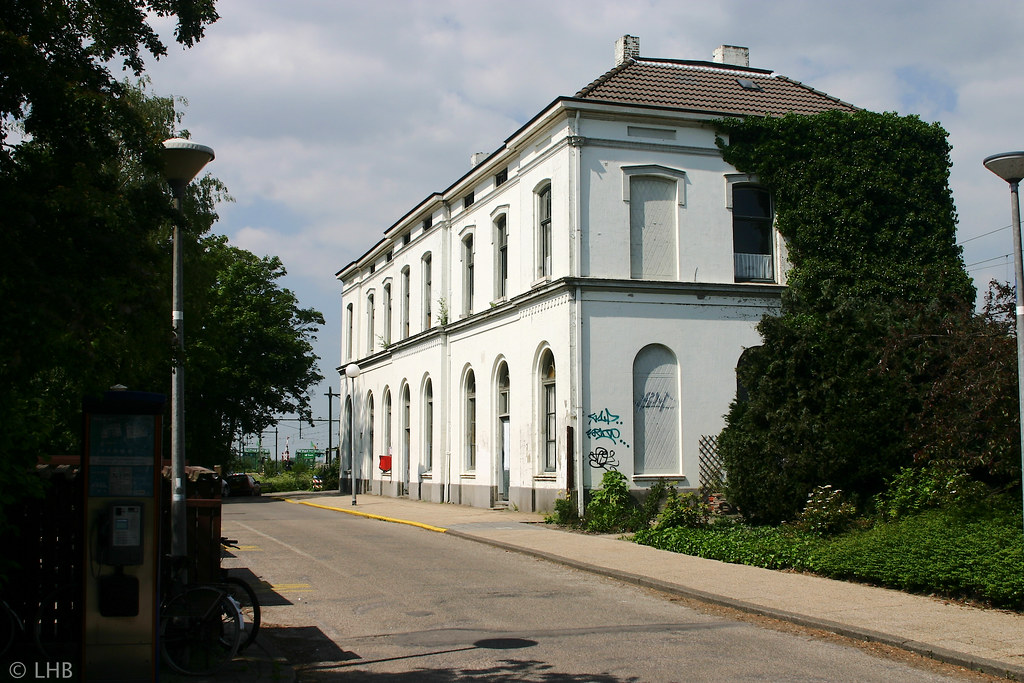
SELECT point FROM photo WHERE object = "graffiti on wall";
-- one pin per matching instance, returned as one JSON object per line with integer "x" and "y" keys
{"x": 655, "y": 400}
{"x": 604, "y": 459}
{"x": 605, "y": 425}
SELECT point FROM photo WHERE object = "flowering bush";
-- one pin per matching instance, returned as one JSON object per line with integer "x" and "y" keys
{"x": 826, "y": 511}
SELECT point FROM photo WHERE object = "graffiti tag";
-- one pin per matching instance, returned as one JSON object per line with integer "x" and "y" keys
{"x": 604, "y": 417}
{"x": 603, "y": 459}
{"x": 655, "y": 399}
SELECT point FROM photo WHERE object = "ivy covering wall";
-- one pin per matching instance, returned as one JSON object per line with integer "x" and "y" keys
{"x": 862, "y": 201}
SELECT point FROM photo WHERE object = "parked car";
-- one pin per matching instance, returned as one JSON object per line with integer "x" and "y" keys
{"x": 242, "y": 485}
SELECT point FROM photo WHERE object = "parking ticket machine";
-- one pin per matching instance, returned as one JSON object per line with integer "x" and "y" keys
{"x": 121, "y": 465}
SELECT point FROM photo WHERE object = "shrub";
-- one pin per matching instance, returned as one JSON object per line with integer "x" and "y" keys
{"x": 611, "y": 507}
{"x": 687, "y": 510}
{"x": 565, "y": 512}
{"x": 826, "y": 512}
{"x": 915, "y": 489}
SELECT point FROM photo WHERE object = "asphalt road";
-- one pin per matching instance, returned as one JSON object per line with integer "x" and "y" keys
{"x": 363, "y": 600}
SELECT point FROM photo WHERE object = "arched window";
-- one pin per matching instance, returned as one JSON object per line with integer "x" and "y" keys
{"x": 428, "y": 426}
{"x": 544, "y": 238}
{"x": 652, "y": 228}
{"x": 656, "y": 418}
{"x": 387, "y": 422}
{"x": 369, "y": 434}
{"x": 470, "y": 433}
{"x": 548, "y": 421}
{"x": 406, "y": 435}
{"x": 504, "y": 430}
{"x": 752, "y": 234}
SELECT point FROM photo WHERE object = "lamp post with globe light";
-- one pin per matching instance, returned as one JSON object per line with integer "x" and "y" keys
{"x": 1010, "y": 167}
{"x": 183, "y": 160}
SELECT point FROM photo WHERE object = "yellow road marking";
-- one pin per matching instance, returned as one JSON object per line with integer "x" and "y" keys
{"x": 421, "y": 525}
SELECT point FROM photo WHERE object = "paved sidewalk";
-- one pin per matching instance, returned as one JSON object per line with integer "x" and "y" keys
{"x": 982, "y": 639}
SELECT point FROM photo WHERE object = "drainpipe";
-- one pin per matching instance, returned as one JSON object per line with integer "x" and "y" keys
{"x": 576, "y": 333}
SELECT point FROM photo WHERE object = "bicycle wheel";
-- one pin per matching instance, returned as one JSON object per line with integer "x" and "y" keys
{"x": 248, "y": 604}
{"x": 200, "y": 630}
{"x": 10, "y": 626}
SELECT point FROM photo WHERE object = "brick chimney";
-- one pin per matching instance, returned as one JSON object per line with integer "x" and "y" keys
{"x": 733, "y": 55}
{"x": 627, "y": 47}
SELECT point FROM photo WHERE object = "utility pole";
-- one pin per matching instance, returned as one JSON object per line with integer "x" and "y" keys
{"x": 330, "y": 423}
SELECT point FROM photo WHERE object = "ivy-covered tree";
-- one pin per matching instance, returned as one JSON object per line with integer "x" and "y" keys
{"x": 863, "y": 203}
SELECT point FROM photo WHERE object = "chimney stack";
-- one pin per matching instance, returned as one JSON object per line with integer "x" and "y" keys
{"x": 732, "y": 54}
{"x": 627, "y": 47}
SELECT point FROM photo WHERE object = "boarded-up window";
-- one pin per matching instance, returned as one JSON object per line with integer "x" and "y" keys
{"x": 656, "y": 412}
{"x": 652, "y": 228}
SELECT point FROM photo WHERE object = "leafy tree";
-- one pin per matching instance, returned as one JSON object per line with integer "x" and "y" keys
{"x": 863, "y": 203}
{"x": 81, "y": 236}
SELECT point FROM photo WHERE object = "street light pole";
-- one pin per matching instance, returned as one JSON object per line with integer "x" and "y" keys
{"x": 183, "y": 160}
{"x": 1010, "y": 167}
{"x": 351, "y": 372}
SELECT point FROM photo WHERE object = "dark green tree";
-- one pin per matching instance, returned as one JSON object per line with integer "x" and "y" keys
{"x": 863, "y": 204}
{"x": 249, "y": 353}
{"x": 79, "y": 234}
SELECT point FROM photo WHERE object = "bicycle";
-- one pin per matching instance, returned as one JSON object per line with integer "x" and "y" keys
{"x": 246, "y": 598}
{"x": 201, "y": 628}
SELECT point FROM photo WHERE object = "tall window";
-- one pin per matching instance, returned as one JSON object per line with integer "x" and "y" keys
{"x": 387, "y": 314}
{"x": 549, "y": 407}
{"x": 500, "y": 256}
{"x": 406, "y": 432}
{"x": 652, "y": 228}
{"x": 349, "y": 327}
{"x": 428, "y": 426}
{"x": 369, "y": 324}
{"x": 656, "y": 418}
{"x": 470, "y": 421}
{"x": 369, "y": 431}
{"x": 504, "y": 440}
{"x": 752, "y": 234}
{"x": 427, "y": 292}
{"x": 467, "y": 274}
{"x": 405, "y": 302}
{"x": 544, "y": 232}
{"x": 387, "y": 422}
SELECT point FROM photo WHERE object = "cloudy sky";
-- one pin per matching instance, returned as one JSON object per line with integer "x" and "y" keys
{"x": 331, "y": 118}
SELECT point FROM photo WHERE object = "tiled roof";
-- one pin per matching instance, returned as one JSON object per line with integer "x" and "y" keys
{"x": 708, "y": 87}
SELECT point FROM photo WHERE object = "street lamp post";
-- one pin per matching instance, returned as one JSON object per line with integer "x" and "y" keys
{"x": 351, "y": 372}
{"x": 1010, "y": 167}
{"x": 183, "y": 159}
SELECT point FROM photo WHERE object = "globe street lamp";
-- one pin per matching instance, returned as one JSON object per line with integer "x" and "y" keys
{"x": 183, "y": 159}
{"x": 351, "y": 372}
{"x": 1010, "y": 167}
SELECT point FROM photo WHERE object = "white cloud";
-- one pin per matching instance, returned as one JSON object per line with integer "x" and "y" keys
{"x": 332, "y": 118}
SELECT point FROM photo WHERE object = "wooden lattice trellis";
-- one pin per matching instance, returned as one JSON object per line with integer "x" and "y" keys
{"x": 712, "y": 476}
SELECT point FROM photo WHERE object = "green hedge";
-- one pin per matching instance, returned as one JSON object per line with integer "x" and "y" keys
{"x": 975, "y": 553}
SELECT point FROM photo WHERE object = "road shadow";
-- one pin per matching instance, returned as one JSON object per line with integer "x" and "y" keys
{"x": 315, "y": 657}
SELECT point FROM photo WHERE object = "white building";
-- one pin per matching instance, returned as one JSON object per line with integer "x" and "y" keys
{"x": 578, "y": 301}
